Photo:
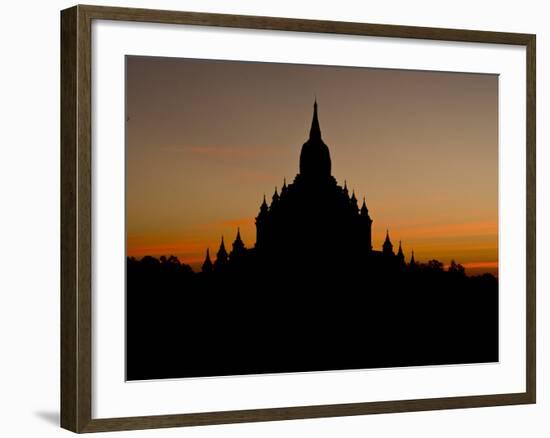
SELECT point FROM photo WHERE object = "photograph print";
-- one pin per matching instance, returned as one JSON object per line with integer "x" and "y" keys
{"x": 285, "y": 218}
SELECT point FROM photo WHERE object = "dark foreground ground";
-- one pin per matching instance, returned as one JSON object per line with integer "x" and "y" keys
{"x": 183, "y": 324}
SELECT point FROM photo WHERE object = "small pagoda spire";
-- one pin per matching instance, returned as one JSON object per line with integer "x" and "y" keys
{"x": 353, "y": 202}
{"x": 401, "y": 258}
{"x": 238, "y": 238}
{"x": 207, "y": 265}
{"x": 284, "y": 188}
{"x": 400, "y": 251}
{"x": 275, "y": 197}
{"x": 263, "y": 210}
{"x": 413, "y": 261}
{"x": 238, "y": 246}
{"x": 221, "y": 256}
{"x": 364, "y": 209}
{"x": 387, "y": 247}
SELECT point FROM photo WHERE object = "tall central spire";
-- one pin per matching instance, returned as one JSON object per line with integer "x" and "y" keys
{"x": 315, "y": 131}
{"x": 315, "y": 156}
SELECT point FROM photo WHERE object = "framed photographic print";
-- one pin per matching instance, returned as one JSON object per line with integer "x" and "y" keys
{"x": 268, "y": 218}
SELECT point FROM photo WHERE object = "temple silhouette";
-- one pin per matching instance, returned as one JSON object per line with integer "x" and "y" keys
{"x": 310, "y": 218}
{"x": 312, "y": 294}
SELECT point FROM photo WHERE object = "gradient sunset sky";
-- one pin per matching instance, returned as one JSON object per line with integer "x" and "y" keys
{"x": 207, "y": 139}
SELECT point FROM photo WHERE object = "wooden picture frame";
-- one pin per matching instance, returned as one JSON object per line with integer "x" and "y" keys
{"x": 76, "y": 218}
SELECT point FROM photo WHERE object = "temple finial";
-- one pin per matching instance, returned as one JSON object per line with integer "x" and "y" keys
{"x": 315, "y": 131}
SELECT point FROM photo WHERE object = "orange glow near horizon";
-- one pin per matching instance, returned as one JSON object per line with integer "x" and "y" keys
{"x": 471, "y": 244}
{"x": 207, "y": 139}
